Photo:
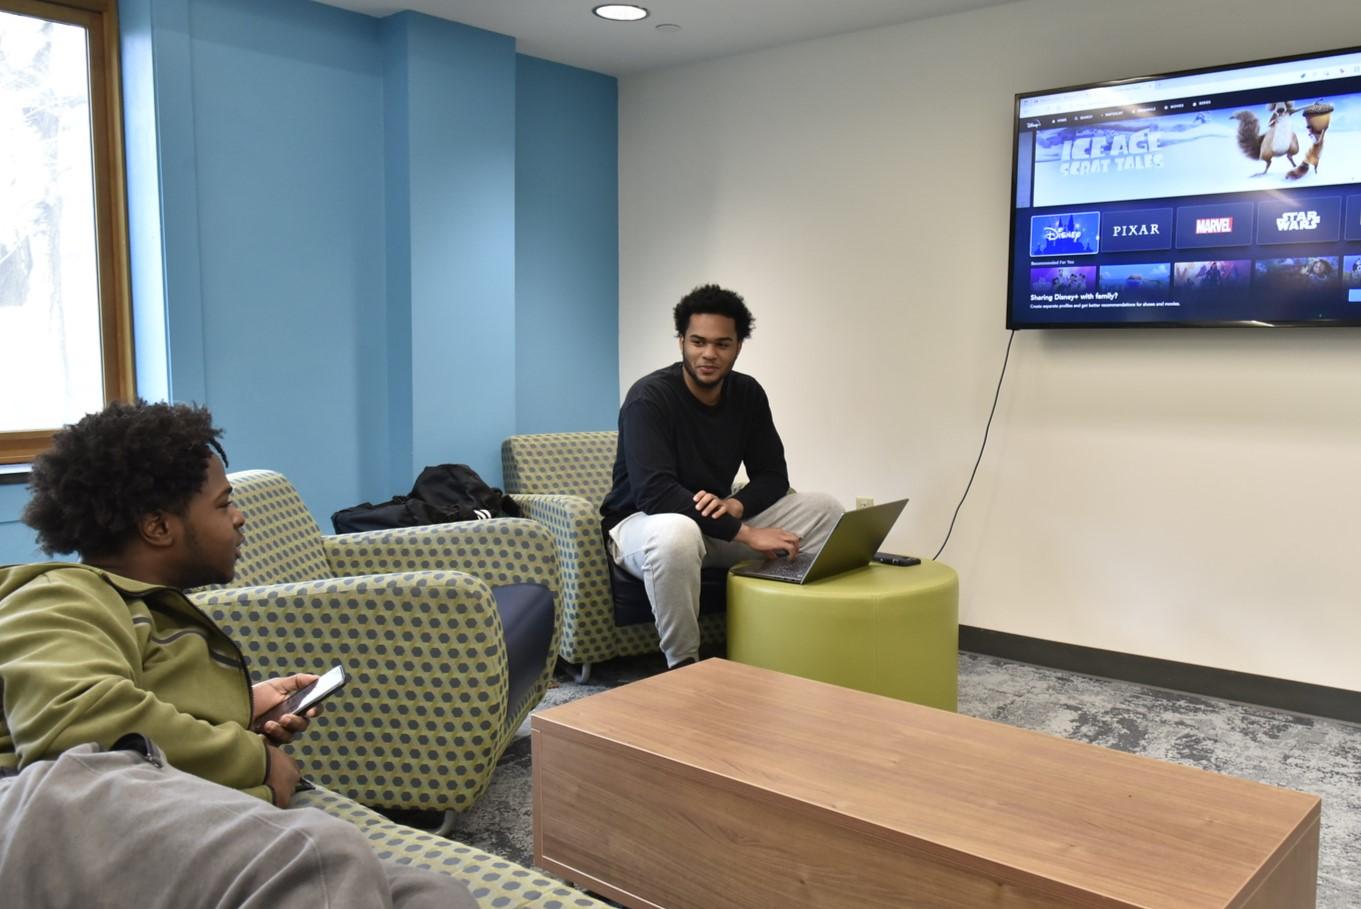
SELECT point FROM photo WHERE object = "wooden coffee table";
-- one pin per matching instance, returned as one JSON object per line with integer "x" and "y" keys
{"x": 724, "y": 785}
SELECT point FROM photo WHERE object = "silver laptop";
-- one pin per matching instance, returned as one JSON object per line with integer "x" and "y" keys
{"x": 854, "y": 540}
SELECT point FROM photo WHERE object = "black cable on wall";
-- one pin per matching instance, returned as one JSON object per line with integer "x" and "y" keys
{"x": 997, "y": 394}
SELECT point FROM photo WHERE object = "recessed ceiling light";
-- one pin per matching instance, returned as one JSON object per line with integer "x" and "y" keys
{"x": 620, "y": 12}
{"x": 667, "y": 27}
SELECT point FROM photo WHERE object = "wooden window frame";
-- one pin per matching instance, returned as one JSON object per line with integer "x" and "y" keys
{"x": 100, "y": 19}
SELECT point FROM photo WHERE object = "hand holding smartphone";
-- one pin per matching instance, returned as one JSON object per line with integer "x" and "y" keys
{"x": 304, "y": 699}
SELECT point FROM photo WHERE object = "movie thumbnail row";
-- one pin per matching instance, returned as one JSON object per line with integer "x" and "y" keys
{"x": 1295, "y": 272}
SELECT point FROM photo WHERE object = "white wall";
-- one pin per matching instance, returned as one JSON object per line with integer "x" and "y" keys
{"x": 1188, "y": 495}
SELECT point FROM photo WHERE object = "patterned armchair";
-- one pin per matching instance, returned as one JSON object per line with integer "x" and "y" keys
{"x": 431, "y": 703}
{"x": 449, "y": 634}
{"x": 560, "y": 479}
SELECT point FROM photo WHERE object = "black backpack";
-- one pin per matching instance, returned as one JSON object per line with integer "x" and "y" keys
{"x": 444, "y": 493}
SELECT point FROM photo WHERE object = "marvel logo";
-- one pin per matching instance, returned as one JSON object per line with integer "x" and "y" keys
{"x": 1222, "y": 225}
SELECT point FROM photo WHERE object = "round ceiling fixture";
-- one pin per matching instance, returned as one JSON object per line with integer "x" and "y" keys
{"x": 667, "y": 27}
{"x": 620, "y": 12}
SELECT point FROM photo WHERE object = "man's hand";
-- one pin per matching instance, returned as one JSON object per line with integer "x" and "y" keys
{"x": 769, "y": 541}
{"x": 270, "y": 692}
{"x": 283, "y": 775}
{"x": 711, "y": 506}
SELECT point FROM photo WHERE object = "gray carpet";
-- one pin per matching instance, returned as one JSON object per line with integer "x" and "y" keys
{"x": 1313, "y": 755}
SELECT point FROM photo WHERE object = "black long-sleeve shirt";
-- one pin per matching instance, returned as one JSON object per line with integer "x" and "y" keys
{"x": 671, "y": 445}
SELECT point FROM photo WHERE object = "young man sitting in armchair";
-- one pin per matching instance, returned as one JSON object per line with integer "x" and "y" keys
{"x": 135, "y": 766}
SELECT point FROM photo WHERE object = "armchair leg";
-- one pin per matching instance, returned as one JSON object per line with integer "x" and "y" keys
{"x": 579, "y": 672}
{"x": 446, "y": 828}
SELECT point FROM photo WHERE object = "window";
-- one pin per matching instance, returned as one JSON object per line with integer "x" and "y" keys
{"x": 65, "y": 320}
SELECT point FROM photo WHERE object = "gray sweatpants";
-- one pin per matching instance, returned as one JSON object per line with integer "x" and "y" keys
{"x": 113, "y": 828}
{"x": 667, "y": 552}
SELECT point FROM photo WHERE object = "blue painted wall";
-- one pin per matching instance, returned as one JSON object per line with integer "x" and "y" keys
{"x": 146, "y": 239}
{"x": 331, "y": 217}
{"x": 566, "y": 248}
{"x": 455, "y": 183}
{"x": 17, "y": 543}
{"x": 397, "y": 159}
{"x": 287, "y": 115}
{"x": 258, "y": 230}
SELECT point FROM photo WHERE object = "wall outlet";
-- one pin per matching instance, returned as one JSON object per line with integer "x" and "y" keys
{"x": 863, "y": 502}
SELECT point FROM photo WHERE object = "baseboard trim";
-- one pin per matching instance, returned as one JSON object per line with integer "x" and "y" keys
{"x": 1282, "y": 694}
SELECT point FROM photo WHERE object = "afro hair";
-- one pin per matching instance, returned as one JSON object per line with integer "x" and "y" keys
{"x": 112, "y": 468}
{"x": 715, "y": 300}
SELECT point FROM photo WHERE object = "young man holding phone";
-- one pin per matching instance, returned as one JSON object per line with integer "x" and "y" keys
{"x": 108, "y": 673}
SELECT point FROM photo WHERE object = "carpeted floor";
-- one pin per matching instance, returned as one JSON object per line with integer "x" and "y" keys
{"x": 1296, "y": 752}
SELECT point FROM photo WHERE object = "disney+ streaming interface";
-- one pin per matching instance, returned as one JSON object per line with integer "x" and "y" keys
{"x": 1231, "y": 196}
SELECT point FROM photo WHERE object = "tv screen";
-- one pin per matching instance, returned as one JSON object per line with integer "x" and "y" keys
{"x": 1224, "y": 196}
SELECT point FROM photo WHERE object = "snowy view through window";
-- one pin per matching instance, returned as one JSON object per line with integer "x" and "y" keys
{"x": 50, "y": 353}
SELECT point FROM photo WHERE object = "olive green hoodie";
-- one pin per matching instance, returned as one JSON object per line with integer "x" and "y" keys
{"x": 87, "y": 656}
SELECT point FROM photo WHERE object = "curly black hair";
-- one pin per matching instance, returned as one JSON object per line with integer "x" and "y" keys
{"x": 114, "y": 467}
{"x": 710, "y": 298}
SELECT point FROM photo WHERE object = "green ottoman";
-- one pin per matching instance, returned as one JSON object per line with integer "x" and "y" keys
{"x": 882, "y": 629}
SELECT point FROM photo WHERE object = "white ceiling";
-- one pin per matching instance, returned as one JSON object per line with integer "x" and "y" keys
{"x": 565, "y": 31}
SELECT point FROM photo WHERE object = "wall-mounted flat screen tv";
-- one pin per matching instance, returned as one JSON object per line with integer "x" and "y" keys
{"x": 1224, "y": 196}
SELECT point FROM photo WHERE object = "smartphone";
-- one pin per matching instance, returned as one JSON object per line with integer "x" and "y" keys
{"x": 304, "y": 699}
{"x": 889, "y": 558}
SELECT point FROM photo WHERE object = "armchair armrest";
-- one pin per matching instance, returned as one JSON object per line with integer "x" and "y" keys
{"x": 421, "y": 723}
{"x": 588, "y": 607}
{"x": 499, "y": 551}
{"x": 494, "y": 881}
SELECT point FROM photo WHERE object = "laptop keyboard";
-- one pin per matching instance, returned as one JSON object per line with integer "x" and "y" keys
{"x": 792, "y": 569}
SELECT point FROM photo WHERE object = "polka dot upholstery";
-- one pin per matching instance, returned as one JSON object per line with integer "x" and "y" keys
{"x": 559, "y": 480}
{"x": 500, "y": 551}
{"x": 495, "y": 882}
{"x": 410, "y": 614}
{"x": 283, "y": 542}
{"x": 588, "y": 612}
{"x": 561, "y": 463}
{"x": 422, "y": 721}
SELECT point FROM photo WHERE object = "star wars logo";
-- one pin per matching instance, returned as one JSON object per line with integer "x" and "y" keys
{"x": 1103, "y": 154}
{"x": 1298, "y": 220}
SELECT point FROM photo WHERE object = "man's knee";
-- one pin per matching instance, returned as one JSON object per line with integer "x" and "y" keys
{"x": 673, "y": 540}
{"x": 820, "y": 505}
